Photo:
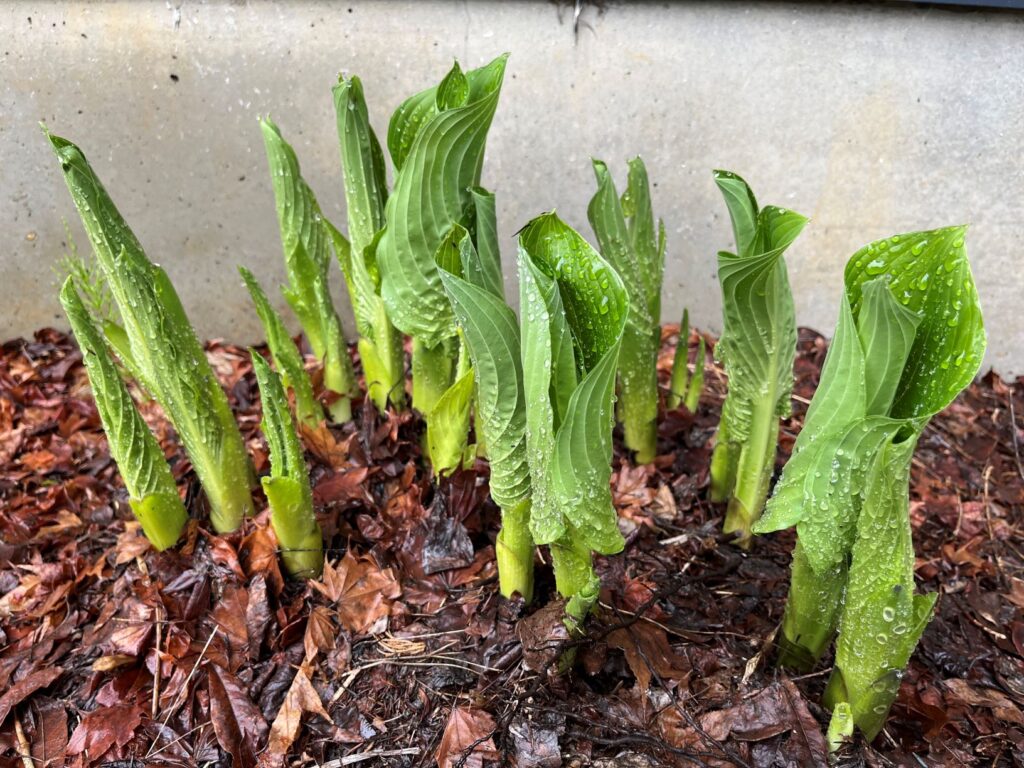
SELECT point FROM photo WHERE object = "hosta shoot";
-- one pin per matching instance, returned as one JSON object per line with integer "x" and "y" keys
{"x": 630, "y": 243}
{"x": 307, "y": 243}
{"x": 573, "y": 312}
{"x": 685, "y": 388}
{"x": 285, "y": 354}
{"x": 287, "y": 488}
{"x": 757, "y": 347}
{"x": 909, "y": 338}
{"x": 492, "y": 339}
{"x": 436, "y": 140}
{"x": 158, "y": 342}
{"x": 152, "y": 493}
{"x": 366, "y": 192}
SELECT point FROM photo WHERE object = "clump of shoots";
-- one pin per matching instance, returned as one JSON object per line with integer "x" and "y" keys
{"x": 158, "y": 343}
{"x": 909, "y": 338}
{"x": 757, "y": 347}
{"x": 307, "y": 242}
{"x": 152, "y": 493}
{"x": 684, "y": 388}
{"x": 287, "y": 488}
{"x": 630, "y": 243}
{"x": 285, "y": 354}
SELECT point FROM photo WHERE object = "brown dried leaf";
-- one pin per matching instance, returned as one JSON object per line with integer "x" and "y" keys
{"x": 100, "y": 729}
{"x": 301, "y": 697}
{"x": 362, "y": 591}
{"x": 237, "y": 722}
{"x": 647, "y": 651}
{"x": 468, "y": 730}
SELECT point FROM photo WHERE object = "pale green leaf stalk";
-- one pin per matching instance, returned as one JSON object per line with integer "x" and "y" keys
{"x": 840, "y": 727}
{"x": 628, "y": 240}
{"x": 285, "y": 354}
{"x": 909, "y": 338}
{"x": 164, "y": 348}
{"x": 436, "y": 139}
{"x": 366, "y": 193}
{"x": 287, "y": 487}
{"x": 307, "y": 242}
{"x": 152, "y": 493}
{"x": 573, "y": 309}
{"x": 492, "y": 338}
{"x": 882, "y": 618}
{"x": 685, "y": 388}
{"x": 757, "y": 347}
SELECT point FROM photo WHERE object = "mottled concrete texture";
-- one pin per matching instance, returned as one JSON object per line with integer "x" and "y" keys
{"x": 873, "y": 120}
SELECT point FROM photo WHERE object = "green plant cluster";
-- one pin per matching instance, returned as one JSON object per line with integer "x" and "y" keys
{"x": 539, "y": 393}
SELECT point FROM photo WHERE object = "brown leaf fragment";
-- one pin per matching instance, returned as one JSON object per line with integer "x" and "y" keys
{"x": 320, "y": 633}
{"x": 21, "y": 690}
{"x": 237, "y": 722}
{"x": 301, "y": 698}
{"x": 104, "y": 727}
{"x": 647, "y": 652}
{"x": 362, "y": 591}
{"x": 50, "y": 740}
{"x": 466, "y": 740}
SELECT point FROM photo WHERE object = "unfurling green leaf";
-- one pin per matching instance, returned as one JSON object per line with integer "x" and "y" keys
{"x": 287, "y": 488}
{"x": 909, "y": 338}
{"x": 286, "y": 355}
{"x": 573, "y": 314}
{"x": 152, "y": 493}
{"x": 684, "y": 388}
{"x": 163, "y": 347}
{"x": 380, "y": 343}
{"x": 626, "y": 234}
{"x": 436, "y": 139}
{"x": 882, "y": 618}
{"x": 448, "y": 426}
{"x": 306, "y": 241}
{"x": 757, "y": 347}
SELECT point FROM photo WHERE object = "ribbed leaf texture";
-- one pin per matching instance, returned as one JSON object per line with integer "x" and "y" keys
{"x": 163, "y": 346}
{"x": 152, "y": 492}
{"x": 436, "y": 139}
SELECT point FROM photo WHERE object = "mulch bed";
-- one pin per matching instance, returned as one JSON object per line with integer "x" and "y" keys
{"x": 403, "y": 654}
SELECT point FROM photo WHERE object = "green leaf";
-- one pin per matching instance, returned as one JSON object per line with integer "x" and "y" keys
{"x": 480, "y": 220}
{"x": 574, "y": 480}
{"x": 448, "y": 426}
{"x": 439, "y": 155}
{"x": 886, "y": 329}
{"x": 163, "y": 346}
{"x": 287, "y": 489}
{"x": 492, "y": 337}
{"x": 928, "y": 274}
{"x": 743, "y": 209}
{"x": 286, "y": 355}
{"x": 882, "y": 619}
{"x": 362, "y": 161}
{"x": 631, "y": 249}
{"x": 151, "y": 489}
{"x": 680, "y": 373}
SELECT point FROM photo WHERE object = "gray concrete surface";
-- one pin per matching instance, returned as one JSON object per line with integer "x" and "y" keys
{"x": 872, "y": 120}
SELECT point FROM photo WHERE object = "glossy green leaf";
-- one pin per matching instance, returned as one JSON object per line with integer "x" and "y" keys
{"x": 151, "y": 488}
{"x": 448, "y": 425}
{"x": 628, "y": 243}
{"x": 287, "y": 488}
{"x": 307, "y": 242}
{"x": 882, "y": 618}
{"x": 286, "y": 355}
{"x": 929, "y": 274}
{"x": 556, "y": 263}
{"x": 437, "y": 145}
{"x": 163, "y": 346}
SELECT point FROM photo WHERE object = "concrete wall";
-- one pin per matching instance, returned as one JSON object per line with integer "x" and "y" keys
{"x": 873, "y": 120}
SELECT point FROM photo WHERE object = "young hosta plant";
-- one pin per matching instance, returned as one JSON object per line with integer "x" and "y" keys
{"x": 436, "y": 140}
{"x": 492, "y": 338}
{"x": 629, "y": 242}
{"x": 757, "y": 347}
{"x": 909, "y": 338}
{"x": 366, "y": 193}
{"x": 286, "y": 355}
{"x": 684, "y": 388}
{"x": 573, "y": 310}
{"x": 287, "y": 488}
{"x": 307, "y": 241}
{"x": 152, "y": 493}
{"x": 157, "y": 341}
